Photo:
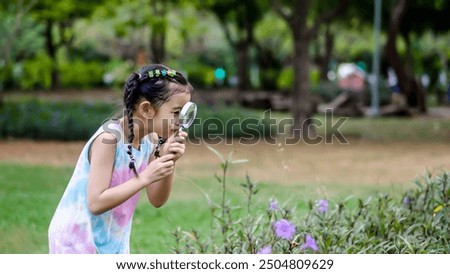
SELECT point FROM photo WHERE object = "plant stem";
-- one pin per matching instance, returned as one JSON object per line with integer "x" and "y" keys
{"x": 224, "y": 177}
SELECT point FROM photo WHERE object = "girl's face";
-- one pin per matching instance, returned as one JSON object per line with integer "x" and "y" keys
{"x": 165, "y": 122}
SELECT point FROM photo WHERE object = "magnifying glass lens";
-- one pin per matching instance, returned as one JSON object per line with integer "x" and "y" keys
{"x": 187, "y": 115}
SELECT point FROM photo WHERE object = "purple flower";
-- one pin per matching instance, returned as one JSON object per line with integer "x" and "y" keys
{"x": 406, "y": 201}
{"x": 284, "y": 229}
{"x": 265, "y": 250}
{"x": 309, "y": 243}
{"x": 322, "y": 206}
{"x": 273, "y": 205}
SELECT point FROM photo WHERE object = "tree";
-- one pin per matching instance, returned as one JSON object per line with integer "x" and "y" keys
{"x": 296, "y": 13}
{"x": 322, "y": 59}
{"x": 407, "y": 83}
{"x": 405, "y": 18}
{"x": 158, "y": 24}
{"x": 14, "y": 17}
{"x": 238, "y": 20}
{"x": 273, "y": 48}
{"x": 10, "y": 36}
{"x": 408, "y": 17}
{"x": 137, "y": 15}
{"x": 58, "y": 18}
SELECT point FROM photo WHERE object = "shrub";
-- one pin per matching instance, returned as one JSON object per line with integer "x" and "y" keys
{"x": 52, "y": 120}
{"x": 418, "y": 222}
{"x": 221, "y": 122}
{"x": 200, "y": 75}
{"x": 117, "y": 72}
{"x": 36, "y": 73}
{"x": 78, "y": 120}
{"x": 81, "y": 74}
{"x": 285, "y": 79}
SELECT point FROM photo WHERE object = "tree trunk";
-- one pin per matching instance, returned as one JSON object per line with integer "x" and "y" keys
{"x": 329, "y": 44}
{"x": 302, "y": 104}
{"x": 159, "y": 28}
{"x": 302, "y": 107}
{"x": 157, "y": 42}
{"x": 51, "y": 51}
{"x": 408, "y": 85}
{"x": 323, "y": 59}
{"x": 301, "y": 100}
{"x": 242, "y": 49}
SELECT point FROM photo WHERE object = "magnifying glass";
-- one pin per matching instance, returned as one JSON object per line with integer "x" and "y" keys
{"x": 187, "y": 115}
{"x": 186, "y": 119}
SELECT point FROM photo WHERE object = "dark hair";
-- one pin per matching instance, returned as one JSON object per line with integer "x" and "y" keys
{"x": 156, "y": 89}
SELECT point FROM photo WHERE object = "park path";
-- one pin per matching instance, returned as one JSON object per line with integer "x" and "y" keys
{"x": 359, "y": 162}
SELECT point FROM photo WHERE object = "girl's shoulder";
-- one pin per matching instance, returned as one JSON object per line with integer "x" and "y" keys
{"x": 112, "y": 129}
{"x": 104, "y": 140}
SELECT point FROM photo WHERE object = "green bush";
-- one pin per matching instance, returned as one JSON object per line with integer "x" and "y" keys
{"x": 6, "y": 77}
{"x": 36, "y": 73}
{"x": 269, "y": 78}
{"x": 78, "y": 120}
{"x": 52, "y": 120}
{"x": 118, "y": 72}
{"x": 222, "y": 122}
{"x": 285, "y": 80}
{"x": 200, "y": 76}
{"x": 418, "y": 222}
{"x": 81, "y": 74}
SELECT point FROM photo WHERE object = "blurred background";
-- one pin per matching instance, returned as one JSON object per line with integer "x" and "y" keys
{"x": 381, "y": 64}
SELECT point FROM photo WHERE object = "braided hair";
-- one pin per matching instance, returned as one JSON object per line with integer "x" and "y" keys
{"x": 156, "y": 89}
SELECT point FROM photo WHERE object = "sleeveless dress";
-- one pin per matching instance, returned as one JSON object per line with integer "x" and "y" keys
{"x": 73, "y": 228}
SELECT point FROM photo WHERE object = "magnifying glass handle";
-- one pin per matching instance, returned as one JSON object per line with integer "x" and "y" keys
{"x": 181, "y": 129}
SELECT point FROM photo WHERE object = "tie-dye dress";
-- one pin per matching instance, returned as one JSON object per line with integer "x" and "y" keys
{"x": 73, "y": 228}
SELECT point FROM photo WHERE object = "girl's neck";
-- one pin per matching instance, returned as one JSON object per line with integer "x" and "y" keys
{"x": 138, "y": 132}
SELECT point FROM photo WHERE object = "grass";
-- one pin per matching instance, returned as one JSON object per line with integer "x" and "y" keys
{"x": 398, "y": 129}
{"x": 29, "y": 195}
{"x": 416, "y": 129}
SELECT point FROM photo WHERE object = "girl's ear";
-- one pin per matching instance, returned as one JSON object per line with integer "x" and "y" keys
{"x": 146, "y": 110}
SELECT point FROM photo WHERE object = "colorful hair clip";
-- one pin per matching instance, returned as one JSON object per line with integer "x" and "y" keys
{"x": 171, "y": 72}
{"x": 162, "y": 73}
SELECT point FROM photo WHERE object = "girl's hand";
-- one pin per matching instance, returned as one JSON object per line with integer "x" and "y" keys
{"x": 175, "y": 145}
{"x": 159, "y": 168}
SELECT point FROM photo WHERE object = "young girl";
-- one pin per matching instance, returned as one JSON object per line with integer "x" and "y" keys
{"x": 121, "y": 158}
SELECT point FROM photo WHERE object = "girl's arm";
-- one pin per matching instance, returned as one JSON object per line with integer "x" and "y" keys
{"x": 101, "y": 197}
{"x": 158, "y": 193}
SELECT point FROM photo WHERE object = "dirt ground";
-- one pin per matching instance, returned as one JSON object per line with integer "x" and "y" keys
{"x": 360, "y": 162}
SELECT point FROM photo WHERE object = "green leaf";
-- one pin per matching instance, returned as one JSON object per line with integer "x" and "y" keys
{"x": 217, "y": 153}
{"x": 418, "y": 183}
{"x": 189, "y": 235}
{"x": 410, "y": 247}
{"x": 218, "y": 178}
{"x": 241, "y": 161}
{"x": 438, "y": 208}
